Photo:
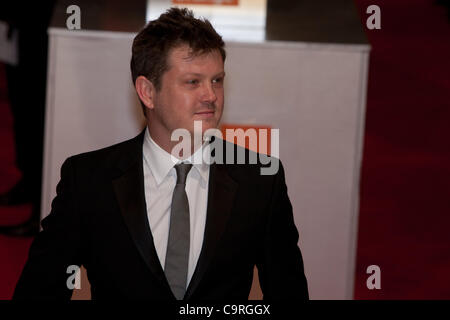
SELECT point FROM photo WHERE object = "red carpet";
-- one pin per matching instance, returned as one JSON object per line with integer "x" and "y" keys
{"x": 13, "y": 251}
{"x": 405, "y": 187}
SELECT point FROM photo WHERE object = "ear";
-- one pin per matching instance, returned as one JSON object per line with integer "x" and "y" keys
{"x": 146, "y": 91}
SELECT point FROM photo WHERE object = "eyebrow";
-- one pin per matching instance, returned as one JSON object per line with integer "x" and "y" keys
{"x": 220, "y": 74}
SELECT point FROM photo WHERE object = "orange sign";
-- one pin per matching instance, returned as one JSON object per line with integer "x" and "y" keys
{"x": 209, "y": 2}
{"x": 253, "y": 137}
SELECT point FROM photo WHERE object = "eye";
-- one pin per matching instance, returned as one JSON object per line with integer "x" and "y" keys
{"x": 218, "y": 80}
{"x": 192, "y": 81}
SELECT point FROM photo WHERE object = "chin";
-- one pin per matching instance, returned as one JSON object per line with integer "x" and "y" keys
{"x": 209, "y": 124}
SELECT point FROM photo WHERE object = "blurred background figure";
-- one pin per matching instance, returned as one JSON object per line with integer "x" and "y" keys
{"x": 26, "y": 83}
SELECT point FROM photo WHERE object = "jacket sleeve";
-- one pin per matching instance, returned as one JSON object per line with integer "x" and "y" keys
{"x": 280, "y": 267}
{"x": 55, "y": 248}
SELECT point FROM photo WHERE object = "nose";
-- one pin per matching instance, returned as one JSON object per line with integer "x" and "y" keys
{"x": 208, "y": 93}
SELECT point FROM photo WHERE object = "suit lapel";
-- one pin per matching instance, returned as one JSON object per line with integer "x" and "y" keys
{"x": 130, "y": 193}
{"x": 222, "y": 189}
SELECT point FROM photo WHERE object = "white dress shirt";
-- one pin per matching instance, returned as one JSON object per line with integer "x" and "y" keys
{"x": 159, "y": 181}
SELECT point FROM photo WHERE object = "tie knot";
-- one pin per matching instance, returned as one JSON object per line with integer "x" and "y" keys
{"x": 182, "y": 172}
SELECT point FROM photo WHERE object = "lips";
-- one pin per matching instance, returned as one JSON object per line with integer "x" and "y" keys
{"x": 206, "y": 112}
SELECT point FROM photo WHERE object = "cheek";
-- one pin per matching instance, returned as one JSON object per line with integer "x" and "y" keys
{"x": 177, "y": 104}
{"x": 189, "y": 101}
{"x": 220, "y": 98}
{"x": 220, "y": 92}
{"x": 182, "y": 102}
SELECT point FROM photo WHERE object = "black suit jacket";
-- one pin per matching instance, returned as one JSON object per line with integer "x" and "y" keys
{"x": 99, "y": 220}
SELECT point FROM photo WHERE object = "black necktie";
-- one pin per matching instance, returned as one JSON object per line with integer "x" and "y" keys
{"x": 177, "y": 255}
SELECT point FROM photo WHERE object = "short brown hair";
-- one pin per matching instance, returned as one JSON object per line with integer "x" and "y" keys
{"x": 174, "y": 28}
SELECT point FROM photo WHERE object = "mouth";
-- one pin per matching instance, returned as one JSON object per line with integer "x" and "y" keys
{"x": 205, "y": 114}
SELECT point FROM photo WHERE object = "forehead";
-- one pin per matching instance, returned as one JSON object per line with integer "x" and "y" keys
{"x": 182, "y": 59}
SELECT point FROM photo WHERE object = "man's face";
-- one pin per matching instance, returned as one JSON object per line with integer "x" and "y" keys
{"x": 191, "y": 89}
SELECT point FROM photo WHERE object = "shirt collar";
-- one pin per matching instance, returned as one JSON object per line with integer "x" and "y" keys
{"x": 160, "y": 161}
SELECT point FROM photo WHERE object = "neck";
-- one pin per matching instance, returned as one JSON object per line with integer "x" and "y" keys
{"x": 187, "y": 148}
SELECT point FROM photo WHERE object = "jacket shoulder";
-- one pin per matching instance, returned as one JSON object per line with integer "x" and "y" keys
{"x": 118, "y": 154}
{"x": 248, "y": 164}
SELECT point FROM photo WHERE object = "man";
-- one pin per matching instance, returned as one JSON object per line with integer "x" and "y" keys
{"x": 147, "y": 227}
